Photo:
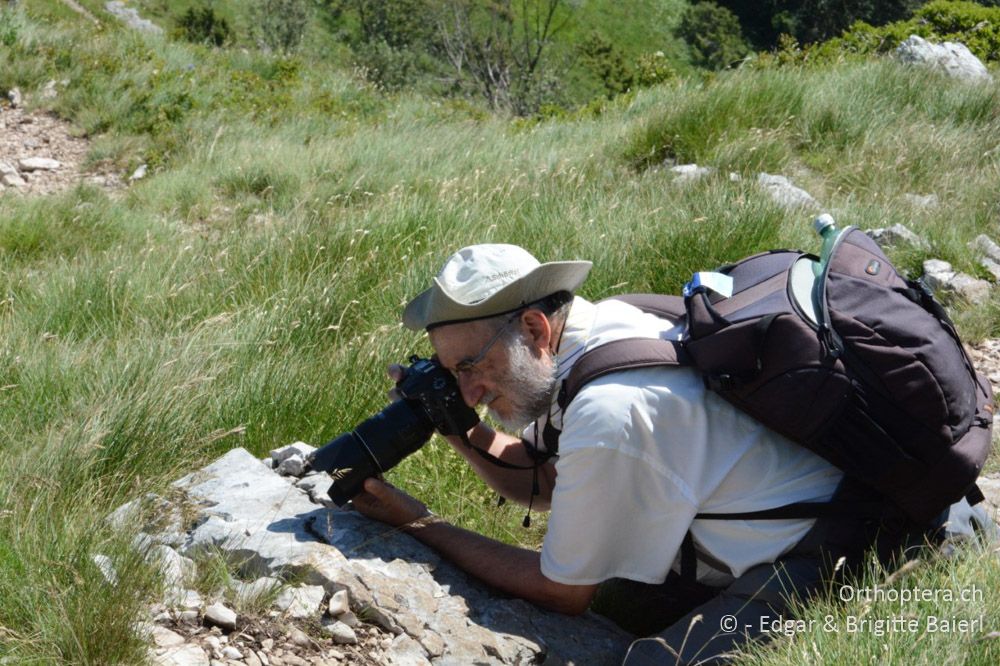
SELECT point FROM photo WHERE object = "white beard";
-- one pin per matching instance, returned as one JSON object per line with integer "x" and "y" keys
{"x": 527, "y": 384}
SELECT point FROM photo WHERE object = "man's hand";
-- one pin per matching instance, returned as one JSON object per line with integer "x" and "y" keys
{"x": 396, "y": 373}
{"x": 386, "y": 503}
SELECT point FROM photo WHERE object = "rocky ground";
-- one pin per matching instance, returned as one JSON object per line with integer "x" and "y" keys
{"x": 41, "y": 154}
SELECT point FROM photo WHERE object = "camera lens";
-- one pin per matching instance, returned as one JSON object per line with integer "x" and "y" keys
{"x": 377, "y": 445}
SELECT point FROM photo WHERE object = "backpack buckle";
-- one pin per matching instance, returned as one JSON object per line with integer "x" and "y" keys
{"x": 722, "y": 382}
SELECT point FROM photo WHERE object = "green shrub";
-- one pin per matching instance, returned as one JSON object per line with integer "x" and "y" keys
{"x": 202, "y": 25}
{"x": 713, "y": 35}
{"x": 606, "y": 63}
{"x": 10, "y": 26}
{"x": 971, "y": 24}
{"x": 280, "y": 24}
{"x": 653, "y": 68}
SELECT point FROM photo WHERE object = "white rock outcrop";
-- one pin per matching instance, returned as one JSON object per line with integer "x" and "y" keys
{"x": 952, "y": 58}
{"x": 270, "y": 530}
{"x": 940, "y": 276}
{"x": 784, "y": 193}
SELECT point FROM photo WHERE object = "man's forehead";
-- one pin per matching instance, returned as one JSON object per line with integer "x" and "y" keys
{"x": 453, "y": 342}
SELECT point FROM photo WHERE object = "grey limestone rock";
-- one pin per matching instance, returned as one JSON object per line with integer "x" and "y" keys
{"x": 340, "y": 633}
{"x": 267, "y": 526}
{"x": 896, "y": 235}
{"x": 10, "y": 176}
{"x": 689, "y": 173}
{"x": 38, "y": 164}
{"x": 940, "y": 276}
{"x": 952, "y": 58}
{"x": 922, "y": 200}
{"x": 339, "y": 603}
{"x": 131, "y": 18}
{"x": 300, "y": 449}
{"x": 989, "y": 254}
{"x": 293, "y": 465}
{"x": 221, "y": 616}
{"x": 187, "y": 654}
{"x": 107, "y": 569}
{"x": 784, "y": 193}
{"x": 301, "y": 602}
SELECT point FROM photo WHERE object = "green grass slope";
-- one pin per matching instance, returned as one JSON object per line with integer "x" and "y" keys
{"x": 248, "y": 291}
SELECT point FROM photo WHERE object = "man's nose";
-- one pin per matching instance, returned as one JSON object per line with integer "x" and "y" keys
{"x": 472, "y": 389}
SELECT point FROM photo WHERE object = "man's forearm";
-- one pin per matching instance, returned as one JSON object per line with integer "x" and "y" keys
{"x": 514, "y": 571}
{"x": 514, "y": 484}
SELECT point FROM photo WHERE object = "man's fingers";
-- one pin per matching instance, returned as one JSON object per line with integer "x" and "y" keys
{"x": 396, "y": 372}
{"x": 375, "y": 487}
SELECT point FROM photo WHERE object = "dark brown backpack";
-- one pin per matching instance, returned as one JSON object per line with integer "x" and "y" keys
{"x": 859, "y": 365}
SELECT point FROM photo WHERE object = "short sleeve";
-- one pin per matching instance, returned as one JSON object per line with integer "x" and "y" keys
{"x": 616, "y": 512}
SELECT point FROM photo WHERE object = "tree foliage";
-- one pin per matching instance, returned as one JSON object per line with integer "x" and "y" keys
{"x": 202, "y": 25}
{"x": 606, "y": 63}
{"x": 496, "y": 49}
{"x": 280, "y": 24}
{"x": 713, "y": 34}
{"x": 764, "y": 21}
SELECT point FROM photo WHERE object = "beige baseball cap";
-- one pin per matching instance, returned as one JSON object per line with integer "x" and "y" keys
{"x": 487, "y": 280}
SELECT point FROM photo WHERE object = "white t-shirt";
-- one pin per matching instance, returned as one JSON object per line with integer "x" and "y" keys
{"x": 643, "y": 451}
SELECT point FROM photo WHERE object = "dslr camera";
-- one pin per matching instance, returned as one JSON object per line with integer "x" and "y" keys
{"x": 430, "y": 399}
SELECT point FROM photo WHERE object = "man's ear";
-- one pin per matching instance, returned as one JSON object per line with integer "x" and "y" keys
{"x": 538, "y": 327}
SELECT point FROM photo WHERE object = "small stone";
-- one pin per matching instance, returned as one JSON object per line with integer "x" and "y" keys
{"x": 300, "y": 638}
{"x": 107, "y": 570}
{"x": 349, "y": 618}
{"x": 296, "y": 448}
{"x": 174, "y": 568}
{"x": 922, "y": 200}
{"x": 340, "y": 633}
{"x": 177, "y": 597}
{"x": 262, "y": 657}
{"x": 13, "y": 180}
{"x": 897, "y": 235}
{"x": 184, "y": 655}
{"x": 214, "y": 643}
{"x": 301, "y": 602}
{"x": 290, "y": 659}
{"x": 971, "y": 289}
{"x": 940, "y": 276}
{"x": 163, "y": 637}
{"x": 339, "y": 603}
{"x": 220, "y": 616}
{"x": 49, "y": 91}
{"x": 251, "y": 659}
{"x": 229, "y": 652}
{"x": 38, "y": 164}
{"x": 432, "y": 643}
{"x": 188, "y": 616}
{"x": 689, "y": 173}
{"x": 293, "y": 465}
{"x": 990, "y": 254}
{"x": 784, "y": 193}
{"x": 335, "y": 654}
{"x": 248, "y": 593}
{"x": 139, "y": 173}
{"x": 267, "y": 644}
{"x": 15, "y": 98}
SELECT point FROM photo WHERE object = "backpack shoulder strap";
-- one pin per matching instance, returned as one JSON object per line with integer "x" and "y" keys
{"x": 661, "y": 305}
{"x": 624, "y": 354}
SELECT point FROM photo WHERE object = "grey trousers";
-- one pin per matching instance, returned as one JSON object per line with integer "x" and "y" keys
{"x": 690, "y": 623}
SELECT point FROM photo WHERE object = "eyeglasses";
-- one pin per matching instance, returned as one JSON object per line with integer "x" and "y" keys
{"x": 468, "y": 365}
